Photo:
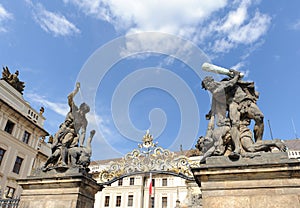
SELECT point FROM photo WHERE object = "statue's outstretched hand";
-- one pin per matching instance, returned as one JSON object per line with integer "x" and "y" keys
{"x": 92, "y": 133}
{"x": 234, "y": 72}
{"x": 78, "y": 85}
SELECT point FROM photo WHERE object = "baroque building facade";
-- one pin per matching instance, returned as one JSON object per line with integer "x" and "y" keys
{"x": 22, "y": 145}
{"x": 168, "y": 191}
{"x": 147, "y": 177}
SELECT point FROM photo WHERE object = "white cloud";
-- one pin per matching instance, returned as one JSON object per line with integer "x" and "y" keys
{"x": 94, "y": 8}
{"x": 176, "y": 17}
{"x": 95, "y": 121}
{"x": 218, "y": 26}
{"x": 98, "y": 122}
{"x": 238, "y": 27}
{"x": 238, "y": 66}
{"x": 235, "y": 18}
{"x": 4, "y": 16}
{"x": 252, "y": 31}
{"x": 52, "y": 22}
{"x": 152, "y": 41}
{"x": 222, "y": 45}
{"x": 59, "y": 108}
{"x": 296, "y": 25}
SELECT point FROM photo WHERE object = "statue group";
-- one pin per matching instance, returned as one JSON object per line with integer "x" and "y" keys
{"x": 68, "y": 150}
{"x": 233, "y": 107}
{"x": 13, "y": 79}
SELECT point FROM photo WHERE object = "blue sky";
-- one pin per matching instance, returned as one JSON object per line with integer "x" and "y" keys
{"x": 139, "y": 63}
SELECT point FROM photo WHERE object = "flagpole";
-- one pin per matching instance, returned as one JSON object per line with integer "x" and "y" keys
{"x": 150, "y": 190}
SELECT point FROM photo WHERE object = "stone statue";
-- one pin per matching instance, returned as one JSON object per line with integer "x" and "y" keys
{"x": 80, "y": 156}
{"x": 13, "y": 79}
{"x": 67, "y": 146}
{"x": 232, "y": 109}
{"x": 249, "y": 145}
{"x": 216, "y": 142}
{"x": 42, "y": 110}
{"x": 221, "y": 103}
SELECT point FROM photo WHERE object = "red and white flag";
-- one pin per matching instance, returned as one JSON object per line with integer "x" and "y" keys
{"x": 150, "y": 184}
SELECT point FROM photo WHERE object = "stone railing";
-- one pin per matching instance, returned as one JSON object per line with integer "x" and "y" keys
{"x": 294, "y": 154}
{"x": 9, "y": 203}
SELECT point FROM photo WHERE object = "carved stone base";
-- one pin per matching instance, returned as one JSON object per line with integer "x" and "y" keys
{"x": 69, "y": 191}
{"x": 267, "y": 181}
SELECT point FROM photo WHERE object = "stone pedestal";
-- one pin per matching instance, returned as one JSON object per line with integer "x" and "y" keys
{"x": 271, "y": 180}
{"x": 59, "y": 191}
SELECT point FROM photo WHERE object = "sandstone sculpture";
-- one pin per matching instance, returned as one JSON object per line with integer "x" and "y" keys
{"x": 68, "y": 150}
{"x": 13, "y": 79}
{"x": 233, "y": 107}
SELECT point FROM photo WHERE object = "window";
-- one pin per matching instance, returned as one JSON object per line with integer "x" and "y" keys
{"x": 26, "y": 137}
{"x": 106, "y": 202}
{"x": 130, "y": 200}
{"x": 152, "y": 202}
{"x": 10, "y": 192}
{"x": 120, "y": 182}
{"x": 118, "y": 201}
{"x": 131, "y": 182}
{"x": 153, "y": 182}
{"x": 17, "y": 165}
{"x": 9, "y": 127}
{"x": 164, "y": 202}
{"x": 2, "y": 152}
{"x": 164, "y": 182}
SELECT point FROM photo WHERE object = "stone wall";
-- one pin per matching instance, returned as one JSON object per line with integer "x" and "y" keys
{"x": 267, "y": 181}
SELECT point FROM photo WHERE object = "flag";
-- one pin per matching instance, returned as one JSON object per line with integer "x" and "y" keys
{"x": 150, "y": 185}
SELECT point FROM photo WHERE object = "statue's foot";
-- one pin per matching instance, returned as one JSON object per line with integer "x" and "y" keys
{"x": 44, "y": 169}
{"x": 63, "y": 164}
{"x": 203, "y": 161}
{"x": 218, "y": 152}
{"x": 280, "y": 145}
{"x": 234, "y": 156}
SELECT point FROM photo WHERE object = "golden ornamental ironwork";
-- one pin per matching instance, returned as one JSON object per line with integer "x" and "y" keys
{"x": 148, "y": 157}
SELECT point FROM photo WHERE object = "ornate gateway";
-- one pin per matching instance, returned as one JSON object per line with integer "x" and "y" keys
{"x": 148, "y": 157}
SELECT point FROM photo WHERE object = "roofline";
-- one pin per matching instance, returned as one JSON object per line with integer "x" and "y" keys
{"x": 42, "y": 129}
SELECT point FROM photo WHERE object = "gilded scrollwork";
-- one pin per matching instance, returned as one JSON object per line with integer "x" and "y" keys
{"x": 148, "y": 157}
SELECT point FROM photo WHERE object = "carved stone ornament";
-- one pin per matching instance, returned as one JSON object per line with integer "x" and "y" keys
{"x": 148, "y": 158}
{"x": 13, "y": 79}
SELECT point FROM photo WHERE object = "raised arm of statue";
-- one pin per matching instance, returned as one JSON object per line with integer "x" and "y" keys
{"x": 72, "y": 95}
{"x": 231, "y": 82}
